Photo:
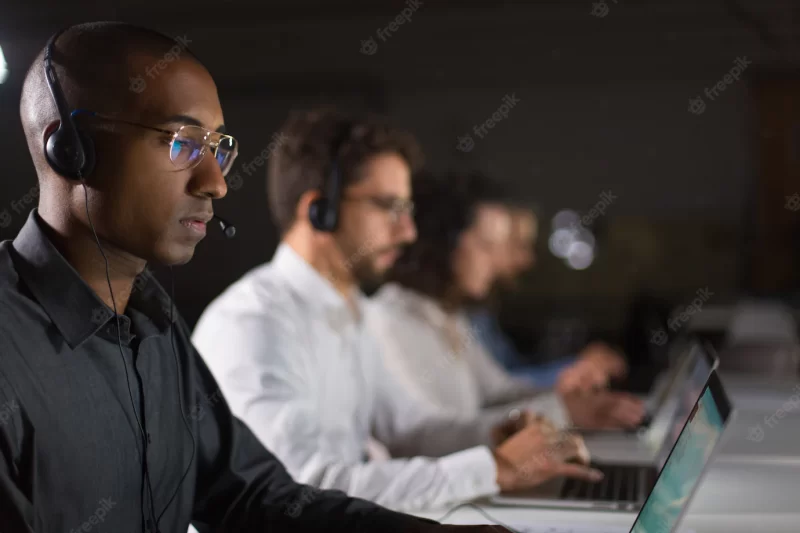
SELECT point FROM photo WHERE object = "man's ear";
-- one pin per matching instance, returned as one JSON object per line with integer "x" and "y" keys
{"x": 301, "y": 212}
{"x": 48, "y": 130}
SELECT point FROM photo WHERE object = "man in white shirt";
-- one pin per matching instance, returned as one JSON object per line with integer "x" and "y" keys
{"x": 289, "y": 348}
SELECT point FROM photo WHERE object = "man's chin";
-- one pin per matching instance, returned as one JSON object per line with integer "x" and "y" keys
{"x": 176, "y": 256}
{"x": 370, "y": 278}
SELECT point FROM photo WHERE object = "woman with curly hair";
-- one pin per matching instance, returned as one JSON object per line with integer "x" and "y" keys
{"x": 464, "y": 225}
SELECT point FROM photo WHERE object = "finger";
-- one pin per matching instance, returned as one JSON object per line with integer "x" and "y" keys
{"x": 582, "y": 454}
{"x": 628, "y": 415}
{"x": 565, "y": 448}
{"x": 530, "y": 418}
{"x": 547, "y": 426}
{"x": 631, "y": 405}
{"x": 593, "y": 382}
{"x": 577, "y": 471}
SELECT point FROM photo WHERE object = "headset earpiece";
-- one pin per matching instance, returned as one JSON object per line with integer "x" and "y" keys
{"x": 70, "y": 159}
{"x": 69, "y": 151}
{"x": 324, "y": 211}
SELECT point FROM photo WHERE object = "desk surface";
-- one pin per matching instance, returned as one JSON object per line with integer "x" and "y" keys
{"x": 760, "y": 393}
{"x": 709, "y": 523}
{"x": 752, "y": 436}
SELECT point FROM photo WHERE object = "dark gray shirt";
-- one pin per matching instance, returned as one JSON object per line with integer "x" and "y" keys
{"x": 71, "y": 447}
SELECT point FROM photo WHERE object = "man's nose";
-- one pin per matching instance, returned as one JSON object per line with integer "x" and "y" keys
{"x": 207, "y": 179}
{"x": 406, "y": 229}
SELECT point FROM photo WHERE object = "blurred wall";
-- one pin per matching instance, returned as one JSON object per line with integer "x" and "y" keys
{"x": 603, "y": 105}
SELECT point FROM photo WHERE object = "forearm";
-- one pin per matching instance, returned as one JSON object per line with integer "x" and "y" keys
{"x": 547, "y": 404}
{"x": 252, "y": 491}
{"x": 413, "y": 484}
{"x": 437, "y": 435}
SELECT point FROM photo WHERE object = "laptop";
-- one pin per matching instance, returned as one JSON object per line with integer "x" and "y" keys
{"x": 665, "y": 388}
{"x": 669, "y": 499}
{"x": 626, "y": 486}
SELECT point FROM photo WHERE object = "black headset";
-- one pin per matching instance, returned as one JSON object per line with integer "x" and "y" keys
{"x": 71, "y": 153}
{"x": 324, "y": 211}
{"x": 68, "y": 150}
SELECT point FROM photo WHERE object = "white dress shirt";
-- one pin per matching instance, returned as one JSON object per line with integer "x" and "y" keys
{"x": 297, "y": 364}
{"x": 437, "y": 356}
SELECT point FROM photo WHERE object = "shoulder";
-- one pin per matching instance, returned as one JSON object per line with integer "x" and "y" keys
{"x": 260, "y": 303}
{"x": 21, "y": 317}
{"x": 391, "y": 301}
{"x": 9, "y": 280}
{"x": 393, "y": 318}
{"x": 260, "y": 292}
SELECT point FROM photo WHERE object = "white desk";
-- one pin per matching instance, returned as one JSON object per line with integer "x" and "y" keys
{"x": 720, "y": 523}
{"x": 781, "y": 442}
{"x": 759, "y": 393}
{"x": 746, "y": 488}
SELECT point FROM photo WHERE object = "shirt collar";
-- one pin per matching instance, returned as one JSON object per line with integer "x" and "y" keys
{"x": 71, "y": 304}
{"x": 315, "y": 290}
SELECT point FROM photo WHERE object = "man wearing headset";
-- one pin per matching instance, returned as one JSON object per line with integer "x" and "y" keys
{"x": 98, "y": 378}
{"x": 289, "y": 346}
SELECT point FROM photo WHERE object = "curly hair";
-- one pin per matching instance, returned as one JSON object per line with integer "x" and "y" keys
{"x": 301, "y": 163}
{"x": 445, "y": 207}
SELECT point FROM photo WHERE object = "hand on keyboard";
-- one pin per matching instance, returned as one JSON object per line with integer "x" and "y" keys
{"x": 537, "y": 454}
{"x": 518, "y": 420}
{"x": 605, "y": 410}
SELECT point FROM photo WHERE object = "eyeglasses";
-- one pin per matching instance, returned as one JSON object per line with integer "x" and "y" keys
{"x": 396, "y": 207}
{"x": 189, "y": 144}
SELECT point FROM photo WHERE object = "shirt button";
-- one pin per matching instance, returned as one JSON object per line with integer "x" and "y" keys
{"x": 148, "y": 524}
{"x": 149, "y": 440}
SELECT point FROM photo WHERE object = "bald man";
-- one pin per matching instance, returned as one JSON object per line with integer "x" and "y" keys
{"x": 110, "y": 421}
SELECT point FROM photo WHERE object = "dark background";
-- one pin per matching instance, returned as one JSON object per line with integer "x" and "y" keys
{"x": 603, "y": 89}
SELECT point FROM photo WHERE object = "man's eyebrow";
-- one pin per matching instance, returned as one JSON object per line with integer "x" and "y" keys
{"x": 190, "y": 121}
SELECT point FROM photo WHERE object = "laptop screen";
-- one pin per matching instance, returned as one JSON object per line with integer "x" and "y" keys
{"x": 680, "y": 474}
{"x": 688, "y": 392}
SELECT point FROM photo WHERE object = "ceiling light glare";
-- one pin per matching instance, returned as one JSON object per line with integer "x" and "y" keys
{"x": 3, "y": 67}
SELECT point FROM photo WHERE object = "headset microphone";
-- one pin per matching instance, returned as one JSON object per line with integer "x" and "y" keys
{"x": 227, "y": 228}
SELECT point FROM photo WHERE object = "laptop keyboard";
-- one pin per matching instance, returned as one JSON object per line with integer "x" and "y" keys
{"x": 620, "y": 484}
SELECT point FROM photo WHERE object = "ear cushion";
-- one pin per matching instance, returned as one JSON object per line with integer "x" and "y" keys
{"x": 88, "y": 153}
{"x": 65, "y": 158}
{"x": 320, "y": 215}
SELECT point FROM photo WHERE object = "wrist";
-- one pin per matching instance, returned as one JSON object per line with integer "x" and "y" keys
{"x": 506, "y": 478}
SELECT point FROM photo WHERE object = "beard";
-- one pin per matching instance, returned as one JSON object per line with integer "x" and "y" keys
{"x": 367, "y": 277}
{"x": 360, "y": 262}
